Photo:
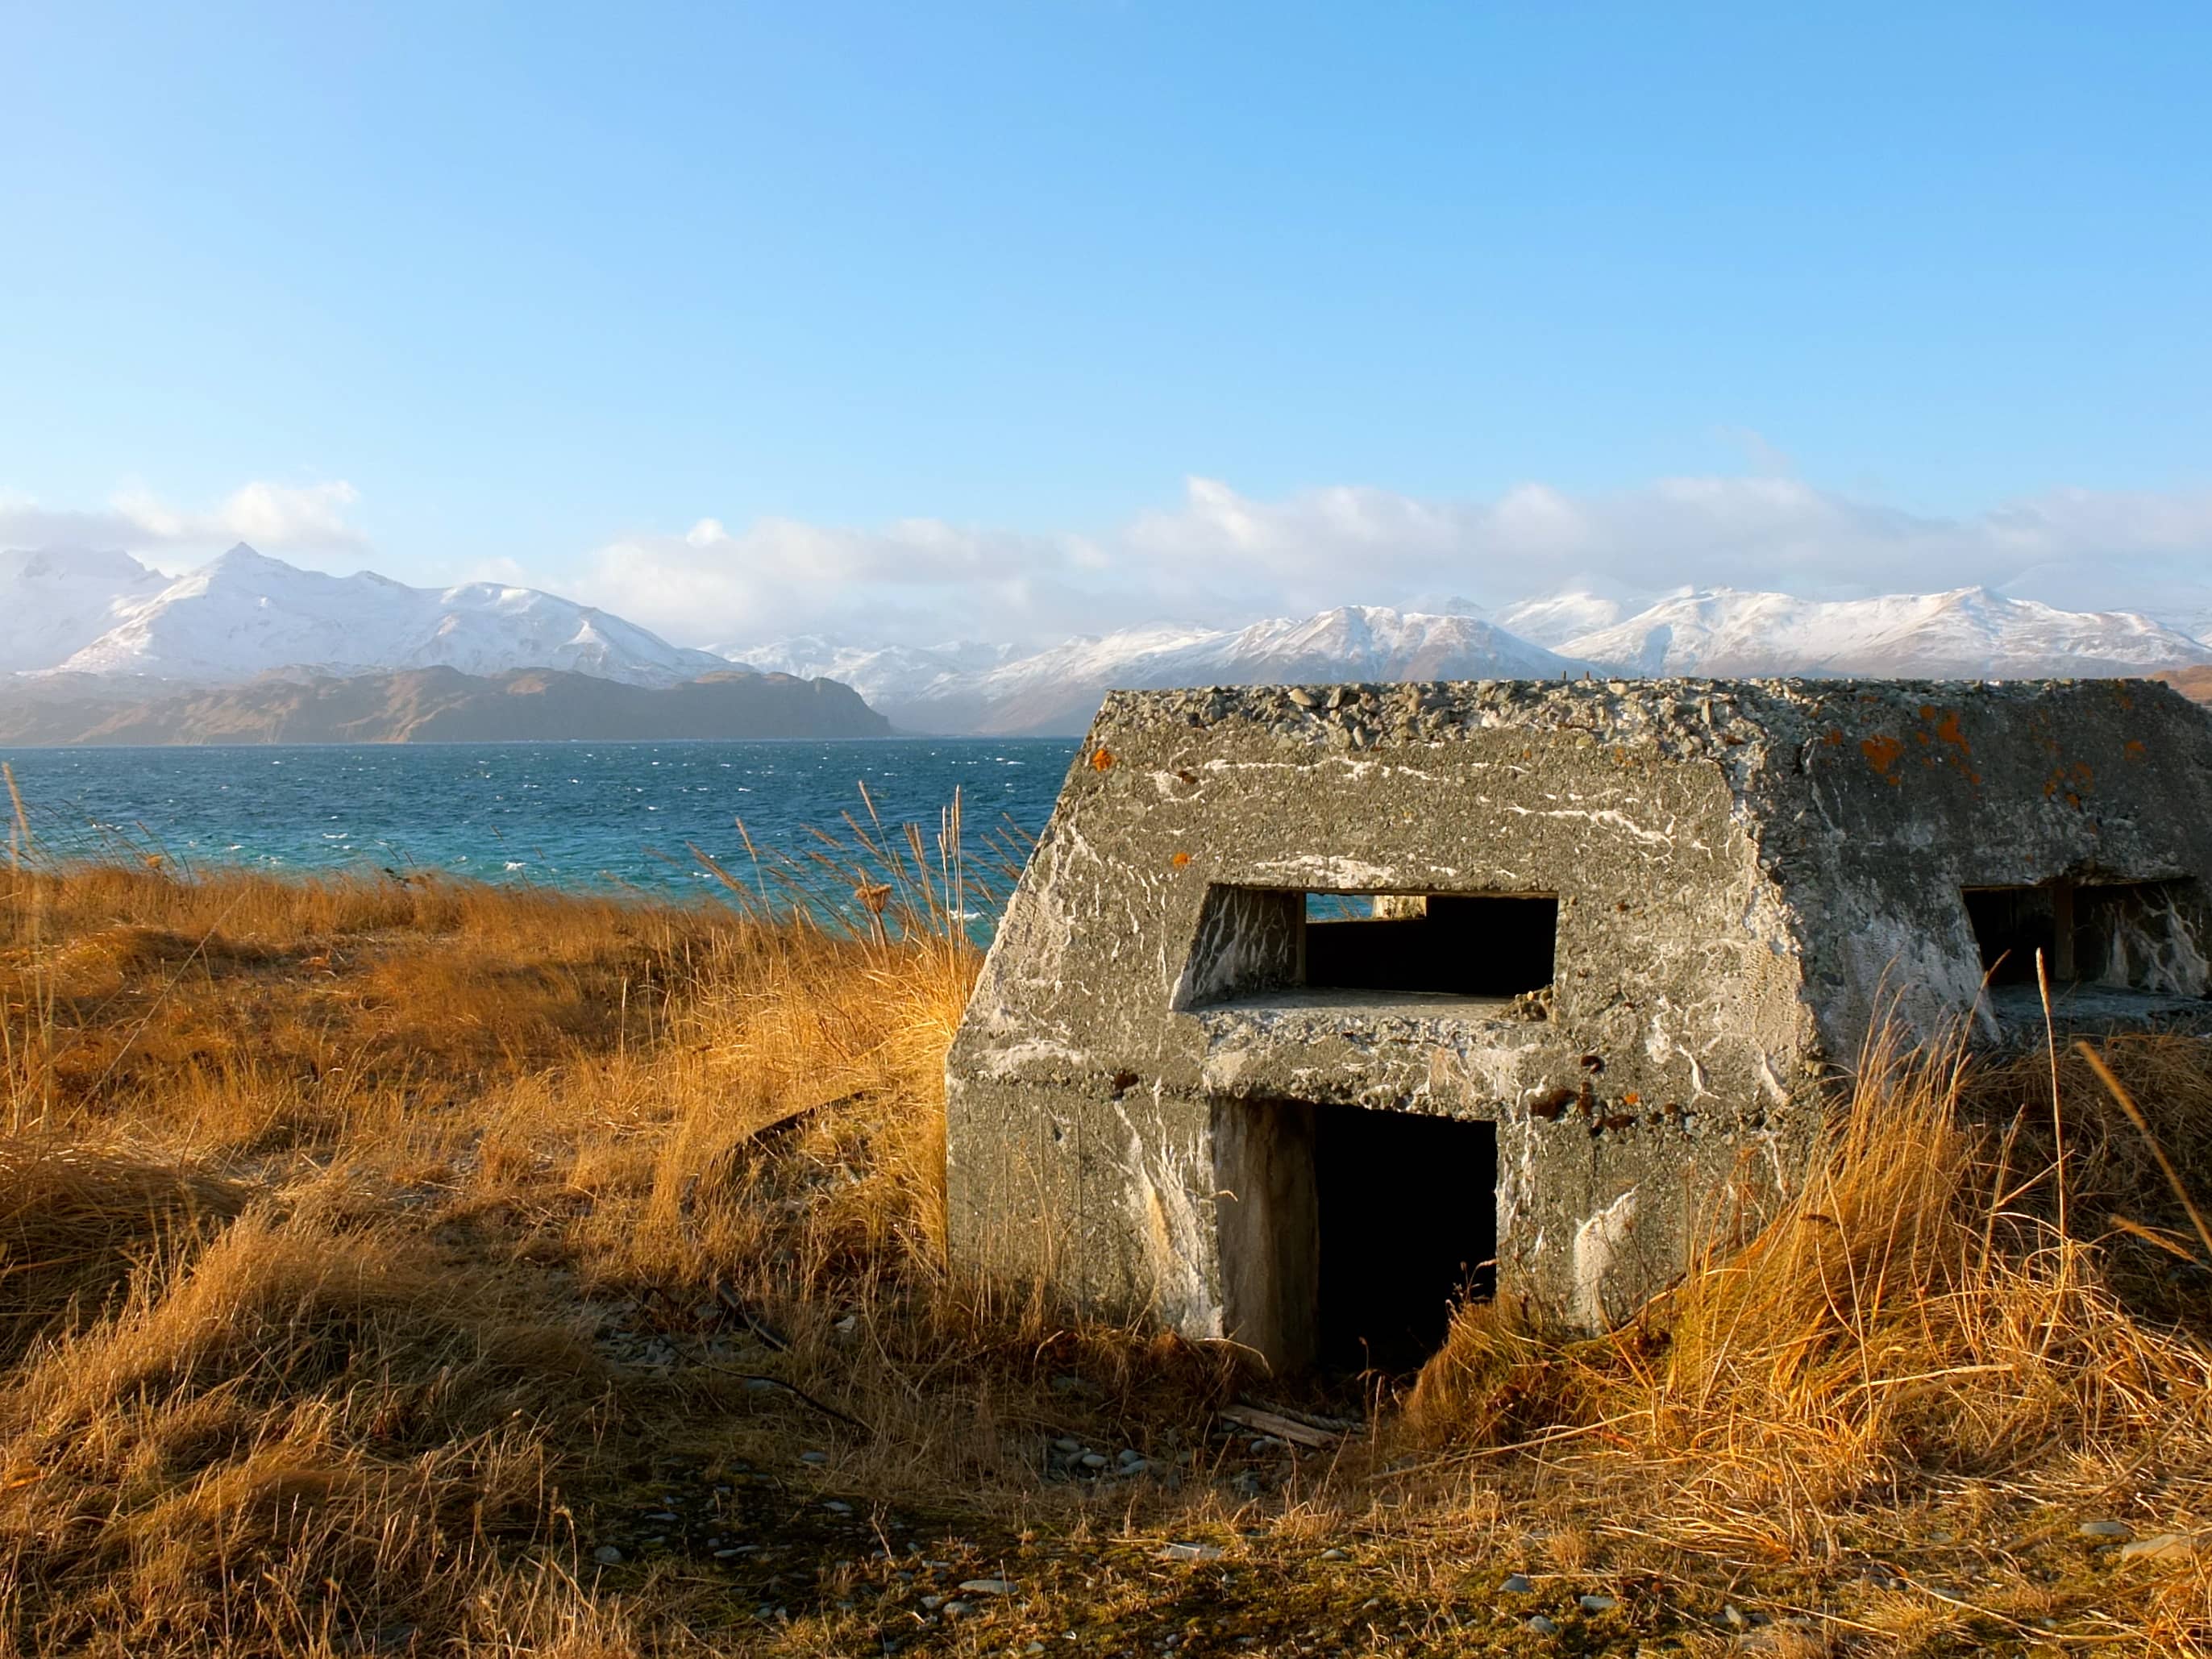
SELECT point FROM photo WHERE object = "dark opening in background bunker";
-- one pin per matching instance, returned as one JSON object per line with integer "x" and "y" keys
{"x": 2104, "y": 945}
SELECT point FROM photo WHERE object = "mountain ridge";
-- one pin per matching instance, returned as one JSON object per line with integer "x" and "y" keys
{"x": 104, "y": 630}
{"x": 246, "y": 613}
{"x": 1966, "y": 633}
{"x": 1056, "y": 690}
{"x": 443, "y": 705}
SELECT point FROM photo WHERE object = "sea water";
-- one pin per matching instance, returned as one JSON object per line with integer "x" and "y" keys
{"x": 581, "y": 815}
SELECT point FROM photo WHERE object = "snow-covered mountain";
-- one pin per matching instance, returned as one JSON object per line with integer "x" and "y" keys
{"x": 1968, "y": 632}
{"x": 53, "y": 604}
{"x": 245, "y": 614}
{"x": 898, "y": 673}
{"x": 91, "y": 621}
{"x": 1552, "y": 619}
{"x": 1057, "y": 690}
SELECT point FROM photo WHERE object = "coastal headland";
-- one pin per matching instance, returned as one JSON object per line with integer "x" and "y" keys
{"x": 433, "y": 705}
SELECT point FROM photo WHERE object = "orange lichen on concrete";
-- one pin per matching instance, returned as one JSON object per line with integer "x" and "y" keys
{"x": 1180, "y": 860}
{"x": 1947, "y": 730}
{"x": 2072, "y": 779}
{"x": 1101, "y": 759}
{"x": 1881, "y": 751}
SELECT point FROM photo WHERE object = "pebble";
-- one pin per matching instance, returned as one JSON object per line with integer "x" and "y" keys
{"x": 761, "y": 1385}
{"x": 663, "y": 1515}
{"x": 838, "y": 1506}
{"x": 1597, "y": 1603}
{"x": 814, "y": 1457}
{"x": 2166, "y": 1547}
{"x": 1732, "y": 1616}
{"x": 1516, "y": 1585}
{"x": 1542, "y": 1626}
{"x": 606, "y": 1555}
{"x": 931, "y": 1603}
{"x": 1334, "y": 1555}
{"x": 1191, "y": 1553}
{"x": 954, "y": 1609}
{"x": 1073, "y": 1447}
{"x": 2105, "y": 1529}
{"x": 1093, "y": 1460}
{"x": 1140, "y": 1466}
{"x": 1130, "y": 1454}
{"x": 986, "y": 1587}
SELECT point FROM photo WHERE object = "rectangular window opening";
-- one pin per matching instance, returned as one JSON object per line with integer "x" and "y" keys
{"x": 2122, "y": 935}
{"x": 1469, "y": 945}
{"x": 1348, "y": 1235}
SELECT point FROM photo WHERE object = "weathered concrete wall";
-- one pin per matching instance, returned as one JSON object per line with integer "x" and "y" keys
{"x": 1746, "y": 872}
{"x": 1893, "y": 796}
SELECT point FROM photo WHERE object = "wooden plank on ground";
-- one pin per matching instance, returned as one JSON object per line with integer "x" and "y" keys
{"x": 1283, "y": 1428}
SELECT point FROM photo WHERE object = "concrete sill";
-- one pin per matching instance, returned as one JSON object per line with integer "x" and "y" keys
{"x": 2018, "y": 1009}
{"x": 1366, "y": 1007}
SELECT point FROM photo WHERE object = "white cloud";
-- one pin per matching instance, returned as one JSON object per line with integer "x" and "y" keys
{"x": 1221, "y": 556}
{"x": 284, "y": 519}
{"x": 918, "y": 578}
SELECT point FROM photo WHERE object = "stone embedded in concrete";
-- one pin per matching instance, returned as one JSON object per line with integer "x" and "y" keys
{"x": 1741, "y": 880}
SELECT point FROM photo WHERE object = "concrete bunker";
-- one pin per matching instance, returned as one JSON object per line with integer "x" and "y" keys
{"x": 1319, "y": 1008}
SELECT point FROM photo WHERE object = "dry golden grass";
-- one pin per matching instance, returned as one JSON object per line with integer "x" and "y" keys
{"x": 1915, "y": 1330}
{"x": 373, "y": 1254}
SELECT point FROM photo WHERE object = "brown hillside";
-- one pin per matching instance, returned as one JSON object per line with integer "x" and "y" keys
{"x": 441, "y": 705}
{"x": 2195, "y": 683}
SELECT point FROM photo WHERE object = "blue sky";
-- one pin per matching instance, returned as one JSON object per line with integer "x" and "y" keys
{"x": 864, "y": 317}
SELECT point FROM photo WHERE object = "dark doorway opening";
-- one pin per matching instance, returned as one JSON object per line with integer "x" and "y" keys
{"x": 1408, "y": 1212}
{"x": 1475, "y": 945}
{"x": 1348, "y": 1234}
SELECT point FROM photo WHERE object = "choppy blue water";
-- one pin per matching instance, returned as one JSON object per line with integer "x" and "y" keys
{"x": 560, "y": 814}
